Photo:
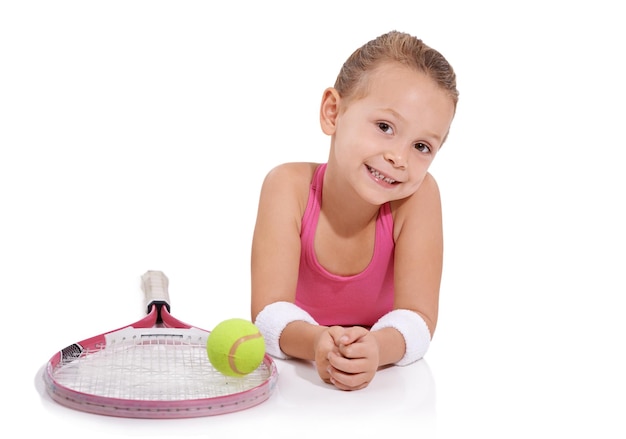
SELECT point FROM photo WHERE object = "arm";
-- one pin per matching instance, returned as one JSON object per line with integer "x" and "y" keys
{"x": 419, "y": 253}
{"x": 276, "y": 239}
{"x": 276, "y": 252}
{"x": 418, "y": 265}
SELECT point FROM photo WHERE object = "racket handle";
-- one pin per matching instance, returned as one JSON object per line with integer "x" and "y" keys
{"x": 155, "y": 285}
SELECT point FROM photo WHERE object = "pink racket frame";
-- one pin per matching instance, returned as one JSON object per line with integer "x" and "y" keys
{"x": 158, "y": 408}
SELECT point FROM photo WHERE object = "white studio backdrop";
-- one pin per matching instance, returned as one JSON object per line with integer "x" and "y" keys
{"x": 135, "y": 135}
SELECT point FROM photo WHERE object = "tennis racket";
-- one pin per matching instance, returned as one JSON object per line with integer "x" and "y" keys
{"x": 156, "y": 367}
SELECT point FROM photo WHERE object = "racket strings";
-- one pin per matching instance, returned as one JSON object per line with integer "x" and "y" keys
{"x": 163, "y": 367}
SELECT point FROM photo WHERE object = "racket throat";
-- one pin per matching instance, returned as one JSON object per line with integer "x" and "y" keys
{"x": 158, "y": 305}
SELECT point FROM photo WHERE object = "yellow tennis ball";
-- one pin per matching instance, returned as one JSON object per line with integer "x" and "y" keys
{"x": 235, "y": 347}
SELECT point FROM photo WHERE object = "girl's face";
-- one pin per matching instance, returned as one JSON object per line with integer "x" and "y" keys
{"x": 384, "y": 142}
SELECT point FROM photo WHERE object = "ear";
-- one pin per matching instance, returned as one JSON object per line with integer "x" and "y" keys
{"x": 329, "y": 110}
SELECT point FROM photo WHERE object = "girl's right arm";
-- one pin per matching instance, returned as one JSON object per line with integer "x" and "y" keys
{"x": 276, "y": 252}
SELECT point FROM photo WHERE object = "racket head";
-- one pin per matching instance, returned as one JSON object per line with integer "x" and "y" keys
{"x": 156, "y": 367}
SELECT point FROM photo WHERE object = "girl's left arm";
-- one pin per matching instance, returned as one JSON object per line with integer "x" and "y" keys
{"x": 419, "y": 253}
{"x": 403, "y": 335}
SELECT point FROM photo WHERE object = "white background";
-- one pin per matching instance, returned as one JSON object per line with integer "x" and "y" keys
{"x": 135, "y": 135}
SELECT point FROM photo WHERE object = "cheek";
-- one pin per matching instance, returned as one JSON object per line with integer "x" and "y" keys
{"x": 353, "y": 132}
{"x": 418, "y": 173}
{"x": 419, "y": 165}
{"x": 414, "y": 186}
{"x": 348, "y": 143}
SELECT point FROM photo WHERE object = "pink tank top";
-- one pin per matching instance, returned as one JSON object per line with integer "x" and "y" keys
{"x": 360, "y": 299}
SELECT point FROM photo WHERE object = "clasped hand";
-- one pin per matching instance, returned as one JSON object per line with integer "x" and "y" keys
{"x": 347, "y": 357}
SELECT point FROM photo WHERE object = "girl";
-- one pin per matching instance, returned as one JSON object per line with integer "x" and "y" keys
{"x": 347, "y": 255}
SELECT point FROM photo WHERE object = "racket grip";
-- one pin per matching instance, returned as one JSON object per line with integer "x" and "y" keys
{"x": 155, "y": 287}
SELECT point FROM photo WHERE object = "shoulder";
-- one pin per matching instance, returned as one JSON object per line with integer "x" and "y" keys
{"x": 287, "y": 185}
{"x": 290, "y": 177}
{"x": 294, "y": 173}
{"x": 424, "y": 207}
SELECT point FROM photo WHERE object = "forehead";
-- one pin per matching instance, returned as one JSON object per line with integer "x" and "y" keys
{"x": 395, "y": 81}
{"x": 391, "y": 77}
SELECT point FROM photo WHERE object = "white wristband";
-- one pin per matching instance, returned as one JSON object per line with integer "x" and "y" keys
{"x": 273, "y": 319}
{"x": 414, "y": 330}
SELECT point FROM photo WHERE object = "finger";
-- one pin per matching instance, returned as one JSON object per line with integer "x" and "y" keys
{"x": 354, "y": 350}
{"x": 340, "y": 335}
{"x": 347, "y": 381}
{"x": 351, "y": 335}
{"x": 342, "y": 386}
{"x": 346, "y": 365}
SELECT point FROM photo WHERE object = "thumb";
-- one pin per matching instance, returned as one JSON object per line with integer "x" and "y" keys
{"x": 352, "y": 335}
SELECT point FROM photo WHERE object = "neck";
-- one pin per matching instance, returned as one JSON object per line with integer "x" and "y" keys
{"x": 344, "y": 210}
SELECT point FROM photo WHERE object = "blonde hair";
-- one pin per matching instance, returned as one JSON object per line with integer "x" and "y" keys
{"x": 394, "y": 47}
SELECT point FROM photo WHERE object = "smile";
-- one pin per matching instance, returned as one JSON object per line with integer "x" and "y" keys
{"x": 380, "y": 176}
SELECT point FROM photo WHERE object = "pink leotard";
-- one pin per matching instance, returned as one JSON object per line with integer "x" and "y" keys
{"x": 360, "y": 299}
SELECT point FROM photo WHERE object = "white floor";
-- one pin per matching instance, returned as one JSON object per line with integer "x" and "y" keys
{"x": 135, "y": 136}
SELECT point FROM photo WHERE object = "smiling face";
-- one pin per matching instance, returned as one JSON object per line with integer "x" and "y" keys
{"x": 384, "y": 140}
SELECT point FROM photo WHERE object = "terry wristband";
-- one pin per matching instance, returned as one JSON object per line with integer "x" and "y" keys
{"x": 414, "y": 330}
{"x": 273, "y": 319}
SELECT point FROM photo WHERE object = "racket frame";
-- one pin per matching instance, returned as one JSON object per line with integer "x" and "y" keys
{"x": 157, "y": 320}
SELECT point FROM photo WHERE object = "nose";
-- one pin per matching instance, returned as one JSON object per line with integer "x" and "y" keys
{"x": 395, "y": 158}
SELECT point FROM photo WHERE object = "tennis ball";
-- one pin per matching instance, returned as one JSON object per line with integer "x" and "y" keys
{"x": 235, "y": 347}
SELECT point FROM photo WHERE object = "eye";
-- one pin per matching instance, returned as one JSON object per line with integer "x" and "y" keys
{"x": 422, "y": 147}
{"x": 385, "y": 127}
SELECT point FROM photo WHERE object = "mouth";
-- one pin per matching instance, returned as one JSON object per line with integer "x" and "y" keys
{"x": 380, "y": 176}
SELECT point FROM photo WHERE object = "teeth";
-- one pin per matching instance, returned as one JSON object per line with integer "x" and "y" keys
{"x": 380, "y": 176}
